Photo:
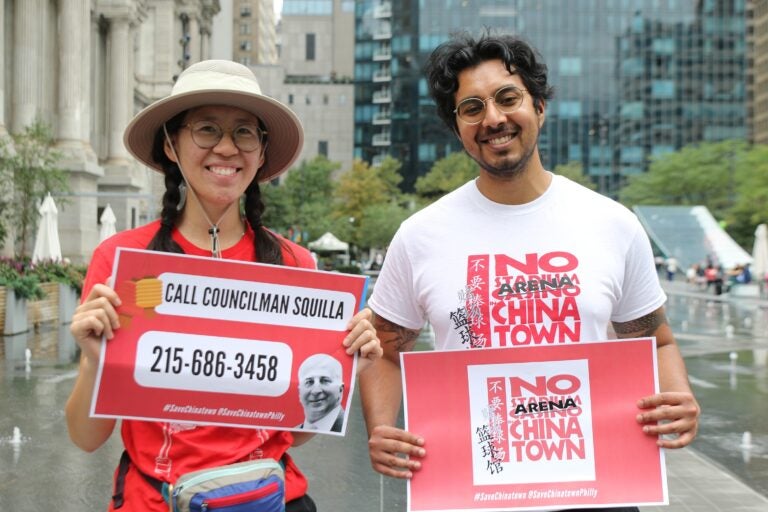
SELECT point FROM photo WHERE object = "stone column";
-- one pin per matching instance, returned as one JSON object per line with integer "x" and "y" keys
{"x": 124, "y": 179}
{"x": 3, "y": 121}
{"x": 86, "y": 72}
{"x": 27, "y": 83}
{"x": 120, "y": 87}
{"x": 205, "y": 41}
{"x": 70, "y": 84}
{"x": 6, "y": 246}
{"x": 77, "y": 226}
{"x": 194, "y": 38}
{"x": 209, "y": 9}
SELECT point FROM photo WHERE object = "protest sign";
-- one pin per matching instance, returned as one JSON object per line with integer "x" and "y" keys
{"x": 546, "y": 427}
{"x": 215, "y": 341}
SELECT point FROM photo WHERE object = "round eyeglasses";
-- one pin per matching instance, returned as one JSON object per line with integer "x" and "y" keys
{"x": 507, "y": 100}
{"x": 207, "y": 134}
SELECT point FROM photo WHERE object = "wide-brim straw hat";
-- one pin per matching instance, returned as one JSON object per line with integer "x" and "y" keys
{"x": 220, "y": 82}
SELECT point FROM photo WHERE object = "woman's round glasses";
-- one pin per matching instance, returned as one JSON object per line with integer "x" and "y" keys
{"x": 207, "y": 134}
{"x": 507, "y": 100}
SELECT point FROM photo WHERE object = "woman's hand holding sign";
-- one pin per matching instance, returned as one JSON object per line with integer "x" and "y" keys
{"x": 94, "y": 318}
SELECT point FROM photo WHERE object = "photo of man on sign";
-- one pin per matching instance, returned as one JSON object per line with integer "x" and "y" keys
{"x": 320, "y": 391}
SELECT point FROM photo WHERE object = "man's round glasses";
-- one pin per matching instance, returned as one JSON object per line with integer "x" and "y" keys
{"x": 507, "y": 100}
{"x": 207, "y": 134}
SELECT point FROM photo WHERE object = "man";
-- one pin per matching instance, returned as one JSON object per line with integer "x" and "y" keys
{"x": 320, "y": 391}
{"x": 497, "y": 237}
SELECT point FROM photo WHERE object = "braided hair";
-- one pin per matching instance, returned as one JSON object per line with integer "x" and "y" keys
{"x": 266, "y": 245}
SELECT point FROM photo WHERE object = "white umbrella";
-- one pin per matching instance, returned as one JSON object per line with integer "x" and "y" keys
{"x": 47, "y": 246}
{"x": 108, "y": 221}
{"x": 760, "y": 252}
{"x": 328, "y": 242}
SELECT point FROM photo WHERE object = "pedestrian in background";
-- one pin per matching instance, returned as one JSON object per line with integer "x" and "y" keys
{"x": 671, "y": 266}
{"x": 492, "y": 93}
{"x": 214, "y": 139}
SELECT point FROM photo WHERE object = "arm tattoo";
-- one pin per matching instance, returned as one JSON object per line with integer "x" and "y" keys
{"x": 643, "y": 326}
{"x": 403, "y": 338}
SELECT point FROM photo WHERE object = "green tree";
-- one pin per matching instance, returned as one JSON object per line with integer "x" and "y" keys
{"x": 701, "y": 174}
{"x": 751, "y": 202}
{"x": 359, "y": 192}
{"x": 379, "y": 222}
{"x": 446, "y": 175}
{"x": 29, "y": 169}
{"x": 575, "y": 172}
{"x": 301, "y": 201}
{"x": 364, "y": 185}
{"x": 730, "y": 178}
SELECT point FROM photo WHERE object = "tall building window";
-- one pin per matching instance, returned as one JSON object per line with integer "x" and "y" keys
{"x": 245, "y": 29}
{"x": 245, "y": 45}
{"x": 570, "y": 66}
{"x": 322, "y": 148}
{"x": 569, "y": 109}
{"x": 662, "y": 89}
{"x": 427, "y": 153}
{"x": 245, "y": 11}
{"x": 310, "y": 47}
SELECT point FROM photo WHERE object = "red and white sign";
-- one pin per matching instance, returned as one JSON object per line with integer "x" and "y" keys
{"x": 533, "y": 428}
{"x": 214, "y": 341}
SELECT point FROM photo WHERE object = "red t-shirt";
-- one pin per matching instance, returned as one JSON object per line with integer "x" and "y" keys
{"x": 167, "y": 450}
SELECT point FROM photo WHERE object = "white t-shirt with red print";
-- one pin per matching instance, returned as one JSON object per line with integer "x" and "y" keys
{"x": 556, "y": 270}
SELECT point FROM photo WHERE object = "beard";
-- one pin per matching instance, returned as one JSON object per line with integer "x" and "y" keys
{"x": 508, "y": 167}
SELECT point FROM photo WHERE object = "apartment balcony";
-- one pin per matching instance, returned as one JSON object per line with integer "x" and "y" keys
{"x": 384, "y": 52}
{"x": 382, "y": 10}
{"x": 383, "y": 74}
{"x": 381, "y": 139}
{"x": 383, "y": 95}
{"x": 383, "y": 30}
{"x": 377, "y": 160}
{"x": 382, "y": 117}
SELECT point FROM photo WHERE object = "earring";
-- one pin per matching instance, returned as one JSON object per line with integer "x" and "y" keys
{"x": 182, "y": 196}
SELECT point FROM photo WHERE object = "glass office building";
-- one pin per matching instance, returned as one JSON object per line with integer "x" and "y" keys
{"x": 632, "y": 78}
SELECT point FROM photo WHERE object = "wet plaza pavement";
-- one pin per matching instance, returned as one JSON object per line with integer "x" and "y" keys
{"x": 725, "y": 343}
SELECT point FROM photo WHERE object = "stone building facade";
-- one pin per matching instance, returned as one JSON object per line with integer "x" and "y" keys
{"x": 85, "y": 67}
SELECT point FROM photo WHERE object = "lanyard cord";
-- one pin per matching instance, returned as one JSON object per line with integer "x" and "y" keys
{"x": 213, "y": 231}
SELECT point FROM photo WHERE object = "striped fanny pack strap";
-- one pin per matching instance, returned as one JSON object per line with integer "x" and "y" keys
{"x": 125, "y": 462}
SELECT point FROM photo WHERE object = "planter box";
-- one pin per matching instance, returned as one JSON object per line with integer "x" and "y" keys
{"x": 14, "y": 313}
{"x": 45, "y": 309}
{"x": 68, "y": 302}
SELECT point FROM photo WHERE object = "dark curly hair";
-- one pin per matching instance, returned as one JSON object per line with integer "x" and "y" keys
{"x": 463, "y": 51}
{"x": 267, "y": 246}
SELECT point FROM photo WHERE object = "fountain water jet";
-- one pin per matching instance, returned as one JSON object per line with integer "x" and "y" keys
{"x": 16, "y": 438}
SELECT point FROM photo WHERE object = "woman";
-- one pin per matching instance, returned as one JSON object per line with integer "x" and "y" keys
{"x": 214, "y": 139}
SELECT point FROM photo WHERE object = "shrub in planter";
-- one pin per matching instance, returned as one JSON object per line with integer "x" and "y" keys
{"x": 24, "y": 285}
{"x": 59, "y": 272}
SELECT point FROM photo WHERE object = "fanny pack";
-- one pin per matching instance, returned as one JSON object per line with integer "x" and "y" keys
{"x": 257, "y": 485}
